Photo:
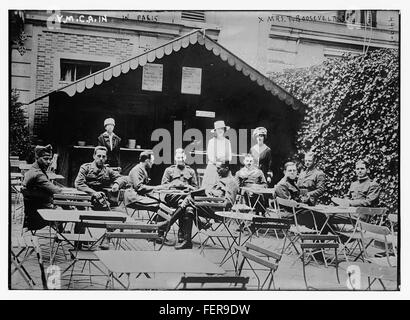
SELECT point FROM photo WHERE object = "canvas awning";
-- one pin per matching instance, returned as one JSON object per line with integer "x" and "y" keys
{"x": 197, "y": 36}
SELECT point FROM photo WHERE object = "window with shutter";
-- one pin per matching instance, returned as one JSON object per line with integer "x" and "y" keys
{"x": 191, "y": 15}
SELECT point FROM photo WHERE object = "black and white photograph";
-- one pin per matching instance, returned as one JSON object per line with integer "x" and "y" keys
{"x": 222, "y": 150}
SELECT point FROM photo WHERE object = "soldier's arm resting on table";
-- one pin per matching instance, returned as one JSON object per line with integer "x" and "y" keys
{"x": 371, "y": 197}
{"x": 137, "y": 180}
{"x": 47, "y": 185}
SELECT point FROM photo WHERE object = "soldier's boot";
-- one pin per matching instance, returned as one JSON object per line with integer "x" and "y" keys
{"x": 187, "y": 243}
{"x": 181, "y": 230}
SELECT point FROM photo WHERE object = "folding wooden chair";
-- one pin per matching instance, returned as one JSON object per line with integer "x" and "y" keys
{"x": 216, "y": 232}
{"x": 21, "y": 250}
{"x": 265, "y": 259}
{"x": 393, "y": 237}
{"x": 78, "y": 254}
{"x": 70, "y": 202}
{"x": 296, "y": 229}
{"x": 200, "y": 175}
{"x": 313, "y": 244}
{"x": 17, "y": 196}
{"x": 121, "y": 234}
{"x": 351, "y": 239}
{"x": 258, "y": 223}
{"x": 278, "y": 225}
{"x": 14, "y": 164}
{"x": 218, "y": 283}
{"x": 25, "y": 245}
{"x": 137, "y": 207}
{"x": 377, "y": 267}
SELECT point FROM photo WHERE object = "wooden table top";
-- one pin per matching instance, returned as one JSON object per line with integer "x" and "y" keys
{"x": 327, "y": 209}
{"x": 236, "y": 215}
{"x": 74, "y": 191}
{"x": 16, "y": 175}
{"x": 61, "y": 215}
{"x": 185, "y": 261}
{"x": 259, "y": 190}
{"x": 171, "y": 191}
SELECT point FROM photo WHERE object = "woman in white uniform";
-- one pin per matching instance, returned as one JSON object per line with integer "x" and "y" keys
{"x": 218, "y": 150}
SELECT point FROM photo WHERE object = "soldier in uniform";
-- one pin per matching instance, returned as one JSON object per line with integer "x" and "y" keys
{"x": 251, "y": 176}
{"x": 364, "y": 192}
{"x": 37, "y": 189}
{"x": 139, "y": 196}
{"x": 226, "y": 187}
{"x": 288, "y": 189}
{"x": 94, "y": 177}
{"x": 179, "y": 176}
{"x": 311, "y": 180}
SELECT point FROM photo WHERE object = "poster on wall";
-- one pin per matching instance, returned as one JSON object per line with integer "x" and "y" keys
{"x": 191, "y": 80}
{"x": 152, "y": 77}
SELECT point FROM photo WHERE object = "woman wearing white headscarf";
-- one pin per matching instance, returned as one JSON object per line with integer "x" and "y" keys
{"x": 219, "y": 150}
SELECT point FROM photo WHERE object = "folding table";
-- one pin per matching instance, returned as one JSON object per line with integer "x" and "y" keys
{"x": 138, "y": 262}
{"x": 61, "y": 216}
{"x": 73, "y": 191}
{"x": 239, "y": 217}
{"x": 330, "y": 211}
{"x": 260, "y": 192}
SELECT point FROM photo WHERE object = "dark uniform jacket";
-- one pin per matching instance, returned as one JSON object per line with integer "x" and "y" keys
{"x": 227, "y": 188}
{"x": 287, "y": 189}
{"x": 248, "y": 177}
{"x": 38, "y": 193}
{"x": 314, "y": 181}
{"x": 113, "y": 155}
{"x": 364, "y": 193}
{"x": 90, "y": 178}
{"x": 139, "y": 179}
{"x": 177, "y": 177}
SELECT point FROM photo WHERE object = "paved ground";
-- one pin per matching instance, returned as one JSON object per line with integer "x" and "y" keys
{"x": 289, "y": 275}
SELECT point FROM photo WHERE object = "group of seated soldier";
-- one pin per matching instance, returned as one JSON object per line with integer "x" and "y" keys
{"x": 95, "y": 178}
{"x": 310, "y": 186}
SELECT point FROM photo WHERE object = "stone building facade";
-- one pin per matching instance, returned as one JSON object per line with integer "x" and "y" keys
{"x": 61, "y": 47}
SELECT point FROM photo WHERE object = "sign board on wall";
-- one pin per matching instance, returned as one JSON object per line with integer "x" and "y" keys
{"x": 205, "y": 114}
{"x": 152, "y": 77}
{"x": 191, "y": 80}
